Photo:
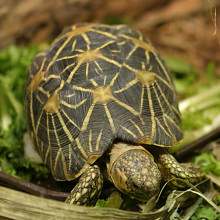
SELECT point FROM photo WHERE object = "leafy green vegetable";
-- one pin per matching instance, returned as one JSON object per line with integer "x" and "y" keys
{"x": 13, "y": 69}
{"x": 205, "y": 212}
{"x": 113, "y": 201}
{"x": 209, "y": 163}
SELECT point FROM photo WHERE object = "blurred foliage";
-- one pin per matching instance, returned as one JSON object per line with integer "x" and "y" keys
{"x": 209, "y": 163}
{"x": 13, "y": 70}
{"x": 205, "y": 212}
{"x": 199, "y": 94}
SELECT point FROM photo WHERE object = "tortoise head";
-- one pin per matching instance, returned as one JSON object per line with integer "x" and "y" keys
{"x": 134, "y": 172}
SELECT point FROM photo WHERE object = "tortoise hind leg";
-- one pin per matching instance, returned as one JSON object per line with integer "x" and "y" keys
{"x": 170, "y": 169}
{"x": 88, "y": 189}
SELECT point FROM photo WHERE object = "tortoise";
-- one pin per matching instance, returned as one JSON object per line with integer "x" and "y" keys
{"x": 101, "y": 102}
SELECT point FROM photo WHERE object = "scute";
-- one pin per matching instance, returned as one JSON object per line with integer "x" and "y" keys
{"x": 95, "y": 84}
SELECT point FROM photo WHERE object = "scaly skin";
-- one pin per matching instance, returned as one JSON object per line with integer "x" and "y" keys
{"x": 171, "y": 169}
{"x": 134, "y": 171}
{"x": 136, "y": 174}
{"x": 88, "y": 189}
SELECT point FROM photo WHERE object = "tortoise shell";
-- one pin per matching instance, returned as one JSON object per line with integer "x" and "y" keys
{"x": 93, "y": 85}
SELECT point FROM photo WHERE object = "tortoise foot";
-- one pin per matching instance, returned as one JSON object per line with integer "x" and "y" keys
{"x": 88, "y": 189}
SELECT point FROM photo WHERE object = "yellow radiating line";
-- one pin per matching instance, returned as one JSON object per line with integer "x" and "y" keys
{"x": 140, "y": 36}
{"x": 142, "y": 99}
{"x": 66, "y": 68}
{"x": 131, "y": 52}
{"x": 90, "y": 140}
{"x": 120, "y": 26}
{"x": 150, "y": 48}
{"x": 164, "y": 97}
{"x": 44, "y": 91}
{"x": 81, "y": 148}
{"x": 105, "y": 33}
{"x": 74, "y": 44}
{"x": 159, "y": 77}
{"x": 170, "y": 119}
{"x": 106, "y": 44}
{"x": 152, "y": 112}
{"x": 66, "y": 130}
{"x": 114, "y": 78}
{"x": 38, "y": 123}
{"x": 147, "y": 57}
{"x": 58, "y": 143}
{"x": 87, "y": 118}
{"x": 142, "y": 121}
{"x": 42, "y": 53}
{"x": 111, "y": 61}
{"x": 130, "y": 68}
{"x": 97, "y": 72}
{"x": 67, "y": 57}
{"x": 87, "y": 70}
{"x": 80, "y": 51}
{"x": 128, "y": 85}
{"x": 31, "y": 112}
{"x": 56, "y": 159}
{"x": 31, "y": 99}
{"x": 52, "y": 76}
{"x": 49, "y": 144}
{"x": 98, "y": 141}
{"x": 173, "y": 137}
{"x": 105, "y": 77}
{"x": 70, "y": 158}
{"x": 73, "y": 72}
{"x": 72, "y": 33}
{"x": 61, "y": 86}
{"x": 163, "y": 68}
{"x": 122, "y": 42}
{"x": 109, "y": 118}
{"x": 97, "y": 64}
{"x": 70, "y": 95}
{"x": 129, "y": 108}
{"x": 79, "y": 63}
{"x": 177, "y": 112}
{"x": 129, "y": 132}
{"x": 115, "y": 51}
{"x": 39, "y": 100}
{"x": 58, "y": 52}
{"x": 163, "y": 128}
{"x": 143, "y": 66}
{"x": 73, "y": 106}
{"x": 81, "y": 89}
{"x": 165, "y": 82}
{"x": 94, "y": 82}
{"x": 137, "y": 127}
{"x": 70, "y": 120}
{"x": 85, "y": 37}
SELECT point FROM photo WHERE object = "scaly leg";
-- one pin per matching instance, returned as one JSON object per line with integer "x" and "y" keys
{"x": 170, "y": 169}
{"x": 88, "y": 189}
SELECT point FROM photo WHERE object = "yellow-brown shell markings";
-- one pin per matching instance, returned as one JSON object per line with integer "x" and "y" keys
{"x": 94, "y": 84}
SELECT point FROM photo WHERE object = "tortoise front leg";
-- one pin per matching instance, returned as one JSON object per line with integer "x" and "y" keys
{"x": 88, "y": 189}
{"x": 171, "y": 169}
